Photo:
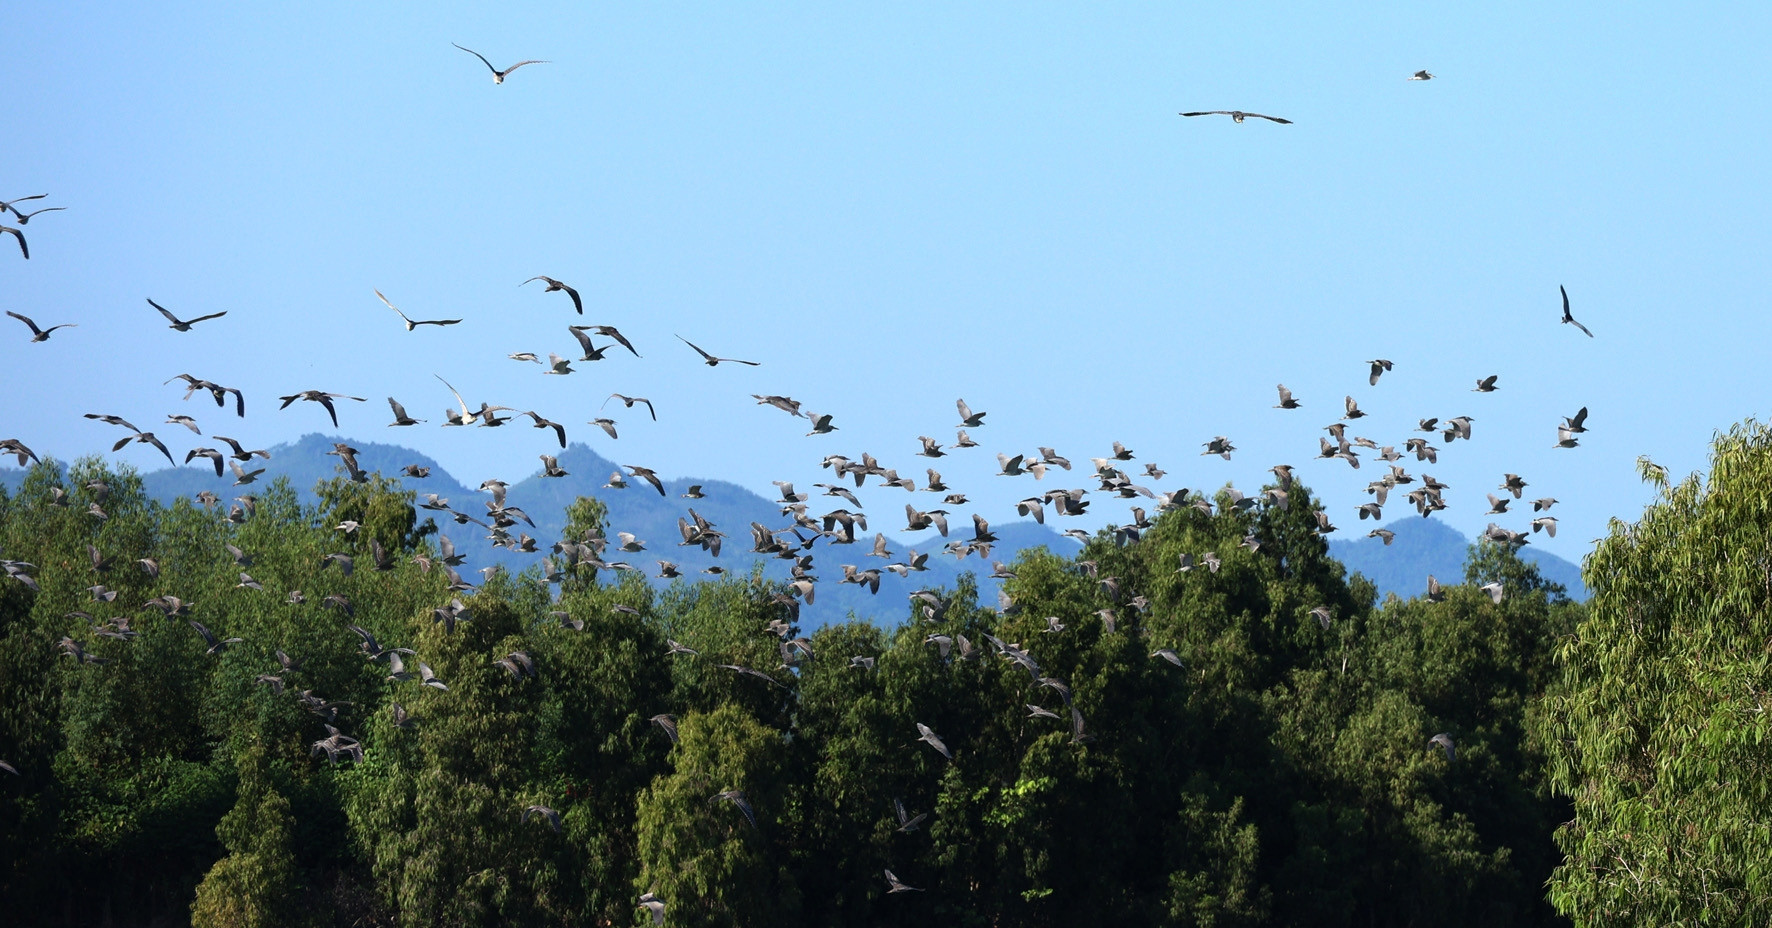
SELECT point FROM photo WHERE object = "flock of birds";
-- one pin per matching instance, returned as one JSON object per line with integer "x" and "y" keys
{"x": 795, "y": 541}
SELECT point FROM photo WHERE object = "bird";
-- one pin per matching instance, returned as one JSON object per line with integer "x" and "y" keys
{"x": 1444, "y": 742}
{"x": 1495, "y": 591}
{"x": 40, "y": 335}
{"x": 1421, "y": 76}
{"x": 607, "y": 425}
{"x": 710, "y": 359}
{"x": 400, "y": 416}
{"x": 553, "y": 284}
{"x": 414, "y": 323}
{"x": 24, "y": 218}
{"x": 1576, "y": 423}
{"x": 324, "y": 399}
{"x": 897, "y": 887}
{"x": 240, "y": 453}
{"x": 557, "y": 365}
{"x": 736, "y": 797}
{"x": 629, "y": 401}
{"x": 608, "y": 331}
{"x": 925, "y": 734}
{"x": 647, "y": 474}
{"x": 907, "y": 823}
{"x": 655, "y": 905}
{"x": 1434, "y": 593}
{"x": 1379, "y": 367}
{"x": 1568, "y": 319}
{"x": 968, "y": 418}
{"x": 553, "y": 817}
{"x": 1238, "y": 116}
{"x": 216, "y": 646}
{"x": 1486, "y": 384}
{"x": 1168, "y": 655}
{"x": 6, "y": 205}
{"x": 1286, "y": 400}
{"x": 668, "y": 723}
{"x": 429, "y": 678}
{"x": 145, "y": 438}
{"x": 498, "y": 77}
{"x": 20, "y": 235}
{"x": 181, "y": 325}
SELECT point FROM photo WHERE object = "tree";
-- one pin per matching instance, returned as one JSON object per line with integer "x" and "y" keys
{"x": 1659, "y": 731}
{"x": 257, "y": 885}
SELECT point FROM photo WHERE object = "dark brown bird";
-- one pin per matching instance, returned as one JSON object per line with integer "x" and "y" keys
{"x": 181, "y": 325}
{"x": 710, "y": 359}
{"x": 40, "y": 335}
{"x": 553, "y": 285}
{"x": 498, "y": 77}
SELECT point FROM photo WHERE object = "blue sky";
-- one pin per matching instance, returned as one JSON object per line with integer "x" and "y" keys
{"x": 894, "y": 208}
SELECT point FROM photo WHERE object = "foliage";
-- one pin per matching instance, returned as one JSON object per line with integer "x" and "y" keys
{"x": 1281, "y": 774}
{"x": 1658, "y": 731}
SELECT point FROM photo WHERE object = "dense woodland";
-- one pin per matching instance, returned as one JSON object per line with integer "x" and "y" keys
{"x": 1608, "y": 768}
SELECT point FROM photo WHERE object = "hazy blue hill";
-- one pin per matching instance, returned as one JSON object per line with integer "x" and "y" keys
{"x": 639, "y": 510}
{"x": 1421, "y": 547}
{"x": 1429, "y": 546}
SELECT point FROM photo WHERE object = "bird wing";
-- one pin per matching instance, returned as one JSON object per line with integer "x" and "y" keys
{"x": 482, "y": 58}
{"x": 391, "y": 306}
{"x": 169, "y": 316}
{"x": 1209, "y": 113}
{"x": 520, "y": 64}
{"x": 26, "y": 321}
{"x": 577, "y": 303}
{"x": 210, "y": 316}
{"x": 22, "y": 247}
{"x": 710, "y": 358}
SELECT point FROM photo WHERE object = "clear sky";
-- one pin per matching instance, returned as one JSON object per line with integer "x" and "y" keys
{"x": 892, "y": 208}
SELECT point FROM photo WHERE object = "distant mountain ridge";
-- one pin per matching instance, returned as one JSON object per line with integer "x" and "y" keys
{"x": 1421, "y": 546}
{"x": 1429, "y": 546}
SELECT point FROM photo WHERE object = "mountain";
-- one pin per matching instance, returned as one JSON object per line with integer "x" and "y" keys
{"x": 639, "y": 510}
{"x": 1429, "y": 546}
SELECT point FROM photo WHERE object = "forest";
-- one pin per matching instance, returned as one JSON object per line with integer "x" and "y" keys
{"x": 269, "y": 713}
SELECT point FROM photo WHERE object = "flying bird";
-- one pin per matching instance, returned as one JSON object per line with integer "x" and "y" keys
{"x": 710, "y": 359}
{"x": 324, "y": 399}
{"x": 40, "y": 335}
{"x": 1444, "y": 742}
{"x": 736, "y": 797}
{"x": 498, "y": 77}
{"x": 897, "y": 887}
{"x": 400, "y": 416}
{"x": 414, "y": 323}
{"x": 925, "y": 734}
{"x": 1238, "y": 116}
{"x": 1379, "y": 367}
{"x": 608, "y": 331}
{"x": 553, "y": 285}
{"x": 1568, "y": 319}
{"x": 181, "y": 325}
{"x": 1421, "y": 76}
{"x": 629, "y": 402}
